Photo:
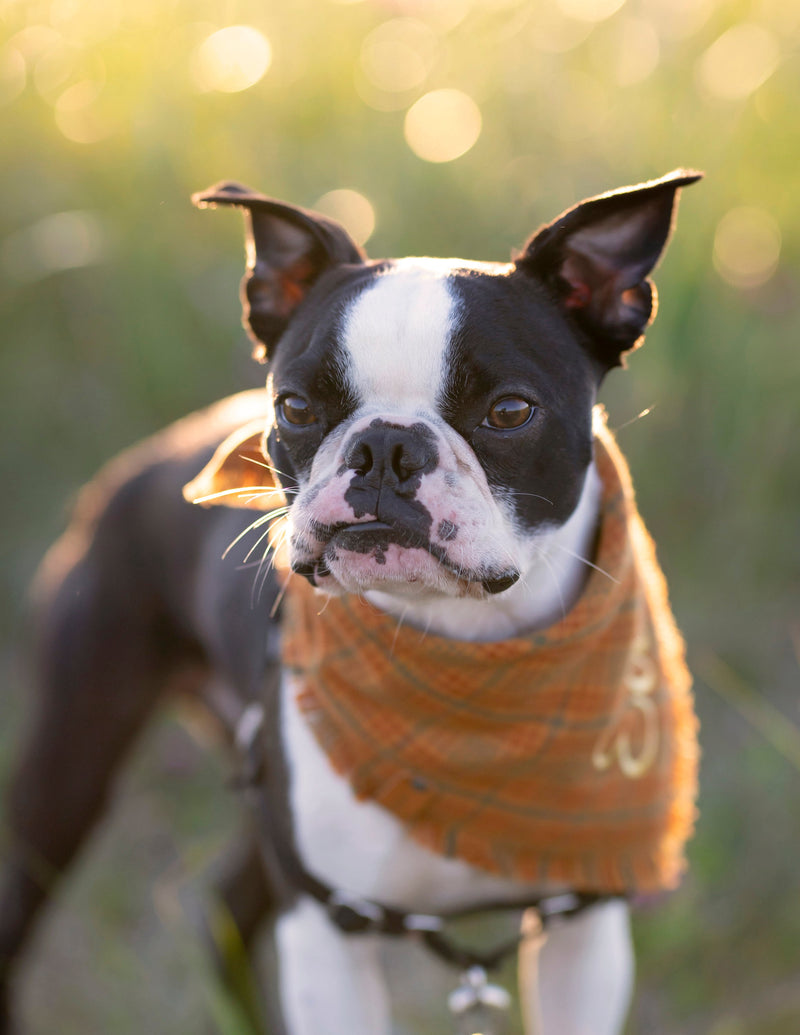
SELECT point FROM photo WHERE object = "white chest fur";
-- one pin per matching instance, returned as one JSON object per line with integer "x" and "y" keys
{"x": 358, "y": 847}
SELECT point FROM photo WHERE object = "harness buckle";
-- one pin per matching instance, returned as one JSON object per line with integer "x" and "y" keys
{"x": 422, "y": 922}
{"x": 354, "y": 915}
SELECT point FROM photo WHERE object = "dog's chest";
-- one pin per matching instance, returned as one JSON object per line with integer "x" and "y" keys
{"x": 360, "y": 848}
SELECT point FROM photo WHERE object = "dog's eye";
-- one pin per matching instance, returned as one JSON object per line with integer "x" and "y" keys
{"x": 296, "y": 410}
{"x": 508, "y": 413}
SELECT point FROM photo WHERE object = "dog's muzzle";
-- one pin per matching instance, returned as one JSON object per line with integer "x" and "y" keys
{"x": 396, "y": 509}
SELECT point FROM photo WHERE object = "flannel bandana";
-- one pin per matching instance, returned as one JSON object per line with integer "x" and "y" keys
{"x": 565, "y": 755}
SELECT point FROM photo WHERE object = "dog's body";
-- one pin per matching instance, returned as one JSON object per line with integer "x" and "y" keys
{"x": 430, "y": 423}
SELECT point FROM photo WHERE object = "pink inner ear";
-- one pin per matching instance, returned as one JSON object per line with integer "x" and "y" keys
{"x": 576, "y": 271}
{"x": 579, "y": 297}
{"x": 293, "y": 281}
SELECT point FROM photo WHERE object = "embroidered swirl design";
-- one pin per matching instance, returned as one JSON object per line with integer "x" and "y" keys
{"x": 615, "y": 744}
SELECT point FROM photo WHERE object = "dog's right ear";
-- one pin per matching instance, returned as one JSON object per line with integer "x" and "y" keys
{"x": 287, "y": 249}
{"x": 596, "y": 258}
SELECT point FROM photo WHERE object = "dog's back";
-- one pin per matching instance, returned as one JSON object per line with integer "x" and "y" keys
{"x": 130, "y": 603}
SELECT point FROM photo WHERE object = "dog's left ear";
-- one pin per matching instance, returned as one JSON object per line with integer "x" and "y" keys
{"x": 287, "y": 250}
{"x": 238, "y": 474}
{"x": 597, "y": 255}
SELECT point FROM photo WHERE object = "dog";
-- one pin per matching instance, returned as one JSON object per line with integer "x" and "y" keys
{"x": 433, "y": 516}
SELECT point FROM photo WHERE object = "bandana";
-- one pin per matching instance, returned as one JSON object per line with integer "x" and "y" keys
{"x": 567, "y": 755}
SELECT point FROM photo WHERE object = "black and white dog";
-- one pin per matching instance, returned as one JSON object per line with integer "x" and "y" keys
{"x": 430, "y": 423}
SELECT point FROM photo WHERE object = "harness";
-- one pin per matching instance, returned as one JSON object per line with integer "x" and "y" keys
{"x": 353, "y": 914}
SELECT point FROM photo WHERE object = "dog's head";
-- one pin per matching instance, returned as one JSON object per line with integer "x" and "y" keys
{"x": 432, "y": 418}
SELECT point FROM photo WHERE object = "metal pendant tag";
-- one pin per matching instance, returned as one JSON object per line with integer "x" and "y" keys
{"x": 478, "y": 1007}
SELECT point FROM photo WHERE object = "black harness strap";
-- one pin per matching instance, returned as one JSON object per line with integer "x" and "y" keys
{"x": 355, "y": 915}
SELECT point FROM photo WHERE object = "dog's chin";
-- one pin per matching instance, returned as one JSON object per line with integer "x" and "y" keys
{"x": 402, "y": 571}
{"x": 406, "y": 572}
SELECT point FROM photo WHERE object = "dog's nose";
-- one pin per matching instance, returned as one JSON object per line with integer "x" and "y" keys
{"x": 388, "y": 452}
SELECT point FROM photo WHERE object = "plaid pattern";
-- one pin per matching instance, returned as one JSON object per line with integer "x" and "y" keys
{"x": 565, "y": 755}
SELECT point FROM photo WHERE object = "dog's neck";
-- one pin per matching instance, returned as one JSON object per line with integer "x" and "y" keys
{"x": 559, "y": 565}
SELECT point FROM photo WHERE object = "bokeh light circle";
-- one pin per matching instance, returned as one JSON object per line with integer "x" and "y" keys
{"x": 398, "y": 55}
{"x": 231, "y": 59}
{"x": 443, "y": 125}
{"x": 62, "y": 241}
{"x": 589, "y": 10}
{"x": 351, "y": 209}
{"x": 13, "y": 73}
{"x": 79, "y": 116}
{"x": 636, "y": 51}
{"x": 738, "y": 62}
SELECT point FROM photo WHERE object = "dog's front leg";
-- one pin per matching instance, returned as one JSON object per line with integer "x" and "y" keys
{"x": 578, "y": 980}
{"x": 330, "y": 983}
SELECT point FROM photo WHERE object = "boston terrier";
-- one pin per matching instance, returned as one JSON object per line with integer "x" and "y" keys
{"x": 410, "y": 582}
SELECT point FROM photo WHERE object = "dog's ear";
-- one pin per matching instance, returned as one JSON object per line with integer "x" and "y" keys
{"x": 597, "y": 255}
{"x": 287, "y": 249}
{"x": 238, "y": 474}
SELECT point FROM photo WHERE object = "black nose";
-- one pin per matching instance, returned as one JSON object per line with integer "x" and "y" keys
{"x": 392, "y": 453}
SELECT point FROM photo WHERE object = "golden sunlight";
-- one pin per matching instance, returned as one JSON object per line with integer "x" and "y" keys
{"x": 738, "y": 62}
{"x": 589, "y": 10}
{"x": 231, "y": 59}
{"x": 442, "y": 125}
{"x": 13, "y": 72}
{"x": 554, "y": 33}
{"x": 678, "y": 19}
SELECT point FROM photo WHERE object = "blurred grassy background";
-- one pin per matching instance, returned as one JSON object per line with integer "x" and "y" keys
{"x": 119, "y": 312}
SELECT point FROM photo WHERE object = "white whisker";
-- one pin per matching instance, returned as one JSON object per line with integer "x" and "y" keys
{"x": 275, "y": 519}
{"x": 256, "y": 544}
{"x": 262, "y": 574}
{"x": 532, "y": 495}
{"x": 269, "y": 516}
{"x": 645, "y": 413}
{"x": 251, "y": 564}
{"x": 267, "y": 467}
{"x": 267, "y": 562}
{"x": 424, "y": 632}
{"x": 249, "y": 493}
{"x": 400, "y": 621}
{"x": 543, "y": 556}
{"x": 281, "y": 594}
{"x": 587, "y": 562}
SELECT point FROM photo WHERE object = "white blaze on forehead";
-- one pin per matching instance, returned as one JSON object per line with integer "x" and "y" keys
{"x": 397, "y": 333}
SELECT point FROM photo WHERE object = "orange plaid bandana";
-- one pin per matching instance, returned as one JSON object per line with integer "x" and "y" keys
{"x": 565, "y": 755}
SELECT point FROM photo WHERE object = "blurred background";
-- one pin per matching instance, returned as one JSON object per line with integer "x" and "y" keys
{"x": 445, "y": 127}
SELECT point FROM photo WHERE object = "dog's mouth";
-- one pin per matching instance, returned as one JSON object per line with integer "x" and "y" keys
{"x": 364, "y": 536}
{"x": 374, "y": 555}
